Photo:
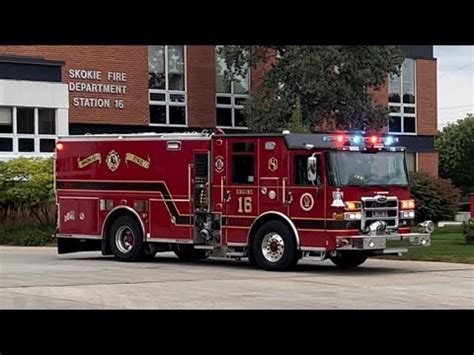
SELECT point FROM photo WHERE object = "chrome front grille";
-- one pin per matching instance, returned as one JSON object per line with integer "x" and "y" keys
{"x": 379, "y": 208}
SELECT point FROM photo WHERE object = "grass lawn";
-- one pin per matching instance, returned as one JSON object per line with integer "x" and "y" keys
{"x": 27, "y": 236}
{"x": 447, "y": 244}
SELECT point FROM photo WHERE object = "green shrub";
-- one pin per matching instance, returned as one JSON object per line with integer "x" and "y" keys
{"x": 26, "y": 236}
{"x": 436, "y": 199}
{"x": 468, "y": 230}
{"x": 455, "y": 144}
{"x": 27, "y": 188}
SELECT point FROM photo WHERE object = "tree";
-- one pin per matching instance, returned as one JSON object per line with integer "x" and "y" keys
{"x": 331, "y": 82}
{"x": 296, "y": 124}
{"x": 455, "y": 145}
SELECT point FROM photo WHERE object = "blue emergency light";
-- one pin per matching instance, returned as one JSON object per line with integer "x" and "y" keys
{"x": 359, "y": 139}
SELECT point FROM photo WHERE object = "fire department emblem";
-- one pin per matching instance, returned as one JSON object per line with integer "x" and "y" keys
{"x": 273, "y": 164}
{"x": 306, "y": 201}
{"x": 219, "y": 164}
{"x": 113, "y": 160}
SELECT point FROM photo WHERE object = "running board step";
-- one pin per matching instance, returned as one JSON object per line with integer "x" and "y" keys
{"x": 205, "y": 247}
{"x": 235, "y": 254}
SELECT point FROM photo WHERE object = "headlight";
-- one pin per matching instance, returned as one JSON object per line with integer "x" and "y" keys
{"x": 407, "y": 214}
{"x": 352, "y": 216}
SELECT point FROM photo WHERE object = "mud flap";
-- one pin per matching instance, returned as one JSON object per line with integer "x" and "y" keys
{"x": 67, "y": 245}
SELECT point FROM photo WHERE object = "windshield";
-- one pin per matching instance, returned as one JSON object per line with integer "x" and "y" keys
{"x": 367, "y": 169}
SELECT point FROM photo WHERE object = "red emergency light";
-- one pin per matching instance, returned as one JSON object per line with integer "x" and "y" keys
{"x": 358, "y": 139}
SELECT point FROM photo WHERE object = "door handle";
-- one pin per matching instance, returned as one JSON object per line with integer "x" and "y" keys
{"x": 228, "y": 196}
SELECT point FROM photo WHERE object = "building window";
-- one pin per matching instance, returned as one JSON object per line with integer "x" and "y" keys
{"x": 27, "y": 130}
{"x": 402, "y": 100}
{"x": 411, "y": 161}
{"x": 230, "y": 96}
{"x": 167, "y": 85}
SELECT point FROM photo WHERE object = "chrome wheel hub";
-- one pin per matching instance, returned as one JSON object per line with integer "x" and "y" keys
{"x": 273, "y": 247}
{"x": 124, "y": 239}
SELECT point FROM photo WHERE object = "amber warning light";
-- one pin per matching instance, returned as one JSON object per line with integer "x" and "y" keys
{"x": 59, "y": 146}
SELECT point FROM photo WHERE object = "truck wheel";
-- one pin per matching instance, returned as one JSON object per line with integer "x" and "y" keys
{"x": 349, "y": 259}
{"x": 299, "y": 256}
{"x": 274, "y": 247}
{"x": 126, "y": 239}
{"x": 188, "y": 253}
{"x": 148, "y": 252}
{"x": 252, "y": 260}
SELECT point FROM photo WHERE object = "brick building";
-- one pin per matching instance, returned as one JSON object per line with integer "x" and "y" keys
{"x": 47, "y": 91}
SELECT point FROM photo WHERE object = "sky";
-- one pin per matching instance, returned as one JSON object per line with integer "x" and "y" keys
{"x": 455, "y": 82}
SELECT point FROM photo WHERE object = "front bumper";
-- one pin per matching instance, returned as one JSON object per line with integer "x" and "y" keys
{"x": 383, "y": 244}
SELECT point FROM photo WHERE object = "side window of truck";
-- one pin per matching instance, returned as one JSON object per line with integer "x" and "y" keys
{"x": 301, "y": 175}
{"x": 243, "y": 163}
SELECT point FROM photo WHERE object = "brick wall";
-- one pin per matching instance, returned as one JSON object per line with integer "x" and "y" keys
{"x": 426, "y": 97}
{"x": 133, "y": 60}
{"x": 426, "y": 106}
{"x": 201, "y": 86}
{"x": 380, "y": 97}
{"x": 428, "y": 162}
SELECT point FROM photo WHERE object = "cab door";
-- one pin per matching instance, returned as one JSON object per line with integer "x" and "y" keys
{"x": 306, "y": 200}
{"x": 273, "y": 175}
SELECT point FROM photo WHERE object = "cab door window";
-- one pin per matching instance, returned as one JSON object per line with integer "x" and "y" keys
{"x": 300, "y": 165}
{"x": 243, "y": 163}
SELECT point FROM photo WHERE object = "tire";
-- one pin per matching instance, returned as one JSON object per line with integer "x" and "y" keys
{"x": 274, "y": 247}
{"x": 188, "y": 253}
{"x": 299, "y": 256}
{"x": 349, "y": 259}
{"x": 148, "y": 252}
{"x": 126, "y": 239}
{"x": 252, "y": 260}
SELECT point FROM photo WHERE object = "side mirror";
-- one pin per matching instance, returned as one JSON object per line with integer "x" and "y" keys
{"x": 312, "y": 169}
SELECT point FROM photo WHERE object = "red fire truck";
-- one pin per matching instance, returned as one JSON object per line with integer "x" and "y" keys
{"x": 272, "y": 198}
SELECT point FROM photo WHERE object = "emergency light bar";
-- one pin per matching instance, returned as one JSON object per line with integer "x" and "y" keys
{"x": 358, "y": 140}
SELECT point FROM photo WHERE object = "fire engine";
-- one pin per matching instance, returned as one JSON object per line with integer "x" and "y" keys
{"x": 274, "y": 198}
